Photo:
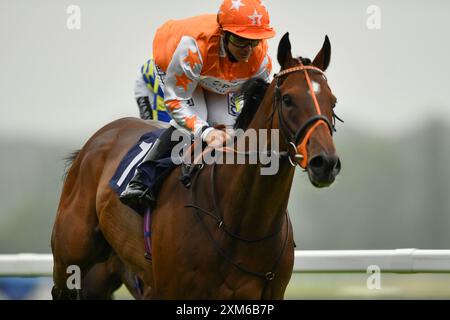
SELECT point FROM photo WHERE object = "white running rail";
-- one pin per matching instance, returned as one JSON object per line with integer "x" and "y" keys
{"x": 311, "y": 261}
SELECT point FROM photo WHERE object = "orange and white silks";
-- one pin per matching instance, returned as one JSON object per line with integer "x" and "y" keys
{"x": 191, "y": 52}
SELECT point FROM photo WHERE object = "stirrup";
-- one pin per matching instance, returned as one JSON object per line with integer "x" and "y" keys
{"x": 145, "y": 193}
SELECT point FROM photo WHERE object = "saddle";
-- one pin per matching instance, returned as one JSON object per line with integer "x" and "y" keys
{"x": 155, "y": 171}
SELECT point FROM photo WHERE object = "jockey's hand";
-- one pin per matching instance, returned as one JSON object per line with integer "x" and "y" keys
{"x": 217, "y": 138}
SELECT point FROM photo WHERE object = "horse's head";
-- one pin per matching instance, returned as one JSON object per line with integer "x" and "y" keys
{"x": 304, "y": 104}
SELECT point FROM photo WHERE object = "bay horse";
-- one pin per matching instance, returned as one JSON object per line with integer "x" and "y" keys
{"x": 227, "y": 237}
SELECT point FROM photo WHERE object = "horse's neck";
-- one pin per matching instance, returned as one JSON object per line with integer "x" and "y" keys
{"x": 252, "y": 200}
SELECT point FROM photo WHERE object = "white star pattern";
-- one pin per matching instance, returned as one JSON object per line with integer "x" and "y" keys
{"x": 316, "y": 87}
{"x": 256, "y": 18}
{"x": 236, "y": 4}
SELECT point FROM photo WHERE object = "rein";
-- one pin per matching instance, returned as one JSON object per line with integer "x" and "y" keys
{"x": 218, "y": 216}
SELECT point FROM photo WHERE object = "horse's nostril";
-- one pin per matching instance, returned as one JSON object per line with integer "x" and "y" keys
{"x": 317, "y": 162}
{"x": 323, "y": 164}
{"x": 337, "y": 166}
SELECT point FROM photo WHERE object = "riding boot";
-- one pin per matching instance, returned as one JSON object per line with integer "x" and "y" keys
{"x": 136, "y": 192}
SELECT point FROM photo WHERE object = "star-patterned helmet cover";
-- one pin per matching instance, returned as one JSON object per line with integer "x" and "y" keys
{"x": 246, "y": 18}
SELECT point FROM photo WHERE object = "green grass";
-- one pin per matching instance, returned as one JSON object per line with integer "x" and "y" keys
{"x": 353, "y": 286}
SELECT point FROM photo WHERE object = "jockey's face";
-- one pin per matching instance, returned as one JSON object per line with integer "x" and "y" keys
{"x": 241, "y": 48}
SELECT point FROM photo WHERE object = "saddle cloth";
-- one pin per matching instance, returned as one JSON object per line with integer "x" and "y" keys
{"x": 154, "y": 172}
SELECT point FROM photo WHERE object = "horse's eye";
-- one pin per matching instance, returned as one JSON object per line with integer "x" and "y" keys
{"x": 335, "y": 103}
{"x": 287, "y": 100}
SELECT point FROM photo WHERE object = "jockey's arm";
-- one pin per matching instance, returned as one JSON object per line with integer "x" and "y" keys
{"x": 182, "y": 76}
{"x": 180, "y": 83}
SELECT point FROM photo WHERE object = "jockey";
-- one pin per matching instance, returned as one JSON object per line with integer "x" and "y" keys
{"x": 198, "y": 64}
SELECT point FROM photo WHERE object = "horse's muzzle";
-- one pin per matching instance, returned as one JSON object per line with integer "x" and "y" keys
{"x": 323, "y": 169}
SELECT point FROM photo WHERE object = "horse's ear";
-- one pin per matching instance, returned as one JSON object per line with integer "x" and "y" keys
{"x": 322, "y": 60}
{"x": 284, "y": 51}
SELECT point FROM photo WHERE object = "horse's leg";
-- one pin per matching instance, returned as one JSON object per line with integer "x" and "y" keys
{"x": 76, "y": 239}
{"x": 123, "y": 229}
{"x": 103, "y": 279}
{"x": 86, "y": 254}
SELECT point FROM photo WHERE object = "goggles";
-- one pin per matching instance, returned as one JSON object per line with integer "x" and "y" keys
{"x": 242, "y": 42}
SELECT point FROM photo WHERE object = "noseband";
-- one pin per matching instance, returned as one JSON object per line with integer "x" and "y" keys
{"x": 299, "y": 140}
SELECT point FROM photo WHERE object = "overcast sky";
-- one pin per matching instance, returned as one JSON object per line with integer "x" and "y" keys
{"x": 61, "y": 84}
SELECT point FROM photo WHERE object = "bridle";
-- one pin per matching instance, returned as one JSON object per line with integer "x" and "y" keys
{"x": 298, "y": 141}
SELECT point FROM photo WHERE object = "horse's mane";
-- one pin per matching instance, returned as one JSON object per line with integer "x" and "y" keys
{"x": 305, "y": 61}
{"x": 252, "y": 93}
{"x": 68, "y": 160}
